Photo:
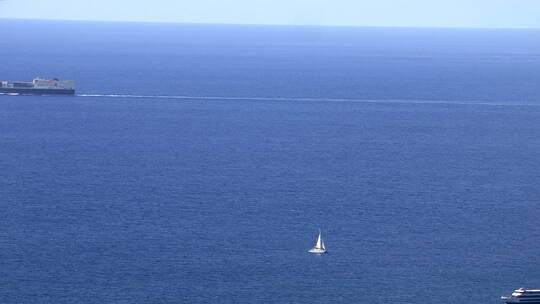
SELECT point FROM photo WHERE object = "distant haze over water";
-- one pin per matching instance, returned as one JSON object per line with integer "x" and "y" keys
{"x": 198, "y": 162}
{"x": 277, "y": 61}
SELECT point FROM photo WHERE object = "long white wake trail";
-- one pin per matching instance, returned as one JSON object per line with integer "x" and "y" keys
{"x": 217, "y": 97}
{"x": 300, "y": 99}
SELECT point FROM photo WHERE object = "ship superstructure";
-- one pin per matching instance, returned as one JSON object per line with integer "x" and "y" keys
{"x": 522, "y": 295}
{"x": 38, "y": 86}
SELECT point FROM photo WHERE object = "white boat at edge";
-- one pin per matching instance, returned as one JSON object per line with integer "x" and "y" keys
{"x": 319, "y": 246}
{"x": 522, "y": 295}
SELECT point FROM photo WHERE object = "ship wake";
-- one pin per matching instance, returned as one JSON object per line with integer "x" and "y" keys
{"x": 310, "y": 99}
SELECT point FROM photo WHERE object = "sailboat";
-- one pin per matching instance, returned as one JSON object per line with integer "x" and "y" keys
{"x": 319, "y": 246}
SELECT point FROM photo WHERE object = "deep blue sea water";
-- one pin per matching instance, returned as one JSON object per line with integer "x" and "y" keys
{"x": 415, "y": 150}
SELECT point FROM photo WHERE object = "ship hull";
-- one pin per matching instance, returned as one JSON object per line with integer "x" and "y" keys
{"x": 522, "y": 295}
{"x": 32, "y": 91}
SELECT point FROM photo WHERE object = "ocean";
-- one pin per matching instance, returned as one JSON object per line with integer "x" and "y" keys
{"x": 198, "y": 162}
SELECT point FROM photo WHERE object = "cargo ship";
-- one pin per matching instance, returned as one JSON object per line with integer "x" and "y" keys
{"x": 38, "y": 86}
{"x": 522, "y": 295}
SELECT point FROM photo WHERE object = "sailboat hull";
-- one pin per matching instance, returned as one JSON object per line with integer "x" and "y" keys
{"x": 317, "y": 250}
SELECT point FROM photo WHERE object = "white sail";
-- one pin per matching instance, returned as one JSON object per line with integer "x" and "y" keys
{"x": 319, "y": 246}
{"x": 319, "y": 242}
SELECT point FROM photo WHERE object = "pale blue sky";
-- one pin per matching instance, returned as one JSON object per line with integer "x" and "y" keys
{"x": 422, "y": 13}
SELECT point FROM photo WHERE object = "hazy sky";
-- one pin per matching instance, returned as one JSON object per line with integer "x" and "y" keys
{"x": 433, "y": 13}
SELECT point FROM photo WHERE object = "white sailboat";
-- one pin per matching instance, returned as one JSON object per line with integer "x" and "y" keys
{"x": 319, "y": 246}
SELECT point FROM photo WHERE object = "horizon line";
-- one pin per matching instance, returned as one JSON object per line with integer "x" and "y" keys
{"x": 275, "y": 24}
